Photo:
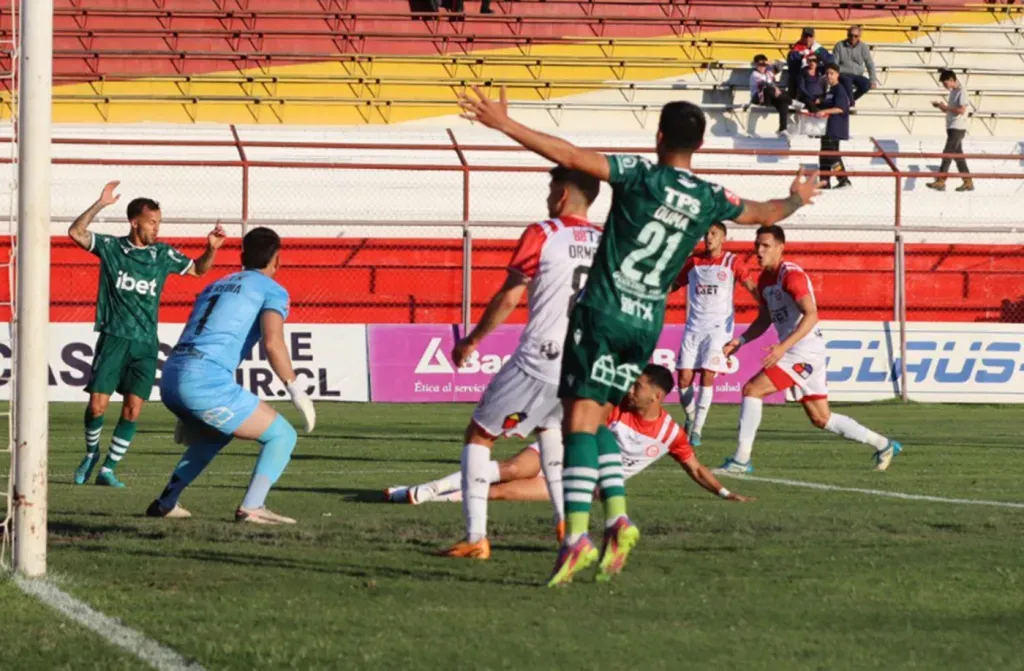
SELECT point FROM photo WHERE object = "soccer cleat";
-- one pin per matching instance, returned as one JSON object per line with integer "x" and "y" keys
{"x": 571, "y": 560}
{"x": 730, "y": 465}
{"x": 84, "y": 470}
{"x": 695, "y": 439}
{"x": 397, "y": 494}
{"x": 261, "y": 516}
{"x": 108, "y": 479}
{"x": 466, "y": 550}
{"x": 884, "y": 457}
{"x": 178, "y": 512}
{"x": 619, "y": 540}
{"x": 560, "y": 531}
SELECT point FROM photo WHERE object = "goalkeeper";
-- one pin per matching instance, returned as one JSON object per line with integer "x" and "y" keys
{"x": 198, "y": 382}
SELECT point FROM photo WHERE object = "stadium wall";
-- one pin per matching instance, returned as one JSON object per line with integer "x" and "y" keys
{"x": 962, "y": 363}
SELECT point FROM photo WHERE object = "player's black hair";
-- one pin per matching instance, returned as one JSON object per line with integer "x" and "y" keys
{"x": 947, "y": 76}
{"x": 719, "y": 225}
{"x": 258, "y": 247}
{"x": 832, "y": 66}
{"x": 659, "y": 376}
{"x": 588, "y": 185}
{"x": 774, "y": 230}
{"x": 140, "y": 205}
{"x": 681, "y": 126}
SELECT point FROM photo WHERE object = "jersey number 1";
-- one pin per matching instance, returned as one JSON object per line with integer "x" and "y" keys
{"x": 652, "y": 236}
{"x": 206, "y": 314}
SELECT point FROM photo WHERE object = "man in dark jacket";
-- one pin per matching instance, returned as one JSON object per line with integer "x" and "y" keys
{"x": 836, "y": 107}
{"x": 811, "y": 89}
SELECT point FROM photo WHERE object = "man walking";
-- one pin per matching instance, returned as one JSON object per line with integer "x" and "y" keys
{"x": 956, "y": 108}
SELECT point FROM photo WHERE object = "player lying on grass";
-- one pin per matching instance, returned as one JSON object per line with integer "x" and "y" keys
{"x": 645, "y": 433}
{"x": 659, "y": 212}
{"x": 198, "y": 382}
{"x": 709, "y": 278}
{"x": 549, "y": 264}
{"x": 133, "y": 269}
{"x": 798, "y": 361}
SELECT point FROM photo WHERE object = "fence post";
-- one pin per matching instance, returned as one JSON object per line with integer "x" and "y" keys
{"x": 245, "y": 179}
{"x": 467, "y": 277}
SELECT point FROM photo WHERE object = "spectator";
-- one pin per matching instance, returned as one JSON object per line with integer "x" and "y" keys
{"x": 485, "y": 7}
{"x": 795, "y": 61}
{"x": 854, "y": 59}
{"x": 811, "y": 89}
{"x": 956, "y": 128}
{"x": 836, "y": 107}
{"x": 764, "y": 90}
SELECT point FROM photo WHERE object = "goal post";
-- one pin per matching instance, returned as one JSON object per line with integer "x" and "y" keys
{"x": 32, "y": 298}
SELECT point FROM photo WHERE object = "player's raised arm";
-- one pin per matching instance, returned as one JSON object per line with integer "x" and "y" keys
{"x": 79, "y": 230}
{"x": 684, "y": 456}
{"x": 494, "y": 114}
{"x": 764, "y": 213}
{"x": 214, "y": 240}
{"x": 498, "y": 309}
{"x": 272, "y": 326}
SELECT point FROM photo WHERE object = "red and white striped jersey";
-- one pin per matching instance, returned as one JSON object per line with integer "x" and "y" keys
{"x": 642, "y": 442}
{"x": 709, "y": 297}
{"x": 780, "y": 289}
{"x": 555, "y": 257}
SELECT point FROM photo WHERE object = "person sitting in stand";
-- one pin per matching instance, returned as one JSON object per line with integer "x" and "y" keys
{"x": 811, "y": 88}
{"x": 765, "y": 90}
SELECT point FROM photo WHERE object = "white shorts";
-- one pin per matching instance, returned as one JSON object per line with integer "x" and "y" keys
{"x": 804, "y": 374}
{"x": 517, "y": 404}
{"x": 630, "y": 465}
{"x": 702, "y": 350}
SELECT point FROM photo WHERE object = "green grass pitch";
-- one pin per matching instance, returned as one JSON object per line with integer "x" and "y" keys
{"x": 801, "y": 579}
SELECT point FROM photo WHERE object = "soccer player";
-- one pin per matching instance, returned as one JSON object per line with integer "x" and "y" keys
{"x": 658, "y": 213}
{"x": 551, "y": 262}
{"x": 710, "y": 314}
{"x": 645, "y": 433}
{"x": 133, "y": 269}
{"x": 198, "y": 382}
{"x": 798, "y": 361}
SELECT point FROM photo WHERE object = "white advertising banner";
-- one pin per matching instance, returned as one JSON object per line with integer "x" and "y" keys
{"x": 330, "y": 357}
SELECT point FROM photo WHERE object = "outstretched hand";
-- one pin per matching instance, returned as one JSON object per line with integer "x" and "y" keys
{"x": 216, "y": 237}
{"x": 108, "y": 197}
{"x": 805, "y": 185}
{"x": 479, "y": 107}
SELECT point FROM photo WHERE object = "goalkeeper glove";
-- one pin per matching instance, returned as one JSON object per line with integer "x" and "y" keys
{"x": 303, "y": 403}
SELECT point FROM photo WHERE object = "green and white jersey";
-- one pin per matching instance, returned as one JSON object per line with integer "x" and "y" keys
{"x": 658, "y": 214}
{"x": 131, "y": 281}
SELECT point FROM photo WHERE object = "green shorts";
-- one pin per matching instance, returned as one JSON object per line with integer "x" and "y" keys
{"x": 603, "y": 355}
{"x": 123, "y": 365}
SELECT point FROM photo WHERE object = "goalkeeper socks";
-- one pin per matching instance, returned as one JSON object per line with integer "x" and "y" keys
{"x": 750, "y": 420}
{"x": 278, "y": 441}
{"x": 579, "y": 477}
{"x": 93, "y": 429}
{"x": 610, "y": 479}
{"x": 552, "y": 453}
{"x": 849, "y": 428}
{"x": 703, "y": 406}
{"x": 196, "y": 458}
{"x": 119, "y": 444}
{"x": 477, "y": 470}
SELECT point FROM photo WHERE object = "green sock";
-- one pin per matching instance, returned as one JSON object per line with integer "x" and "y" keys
{"x": 611, "y": 478}
{"x": 93, "y": 429}
{"x": 119, "y": 444}
{"x": 578, "y": 480}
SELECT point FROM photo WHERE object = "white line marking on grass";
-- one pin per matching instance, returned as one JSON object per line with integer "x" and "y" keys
{"x": 108, "y": 628}
{"x": 875, "y": 492}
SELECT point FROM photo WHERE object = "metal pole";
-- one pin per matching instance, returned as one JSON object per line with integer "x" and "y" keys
{"x": 467, "y": 278}
{"x": 902, "y": 259}
{"x": 33, "y": 290}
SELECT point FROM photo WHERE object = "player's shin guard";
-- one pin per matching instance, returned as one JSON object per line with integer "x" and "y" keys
{"x": 277, "y": 443}
{"x": 849, "y": 428}
{"x": 703, "y": 406}
{"x": 611, "y": 479}
{"x": 552, "y": 454}
{"x": 478, "y": 471}
{"x": 579, "y": 477}
{"x": 119, "y": 444}
{"x": 93, "y": 429}
{"x": 196, "y": 458}
{"x": 750, "y": 420}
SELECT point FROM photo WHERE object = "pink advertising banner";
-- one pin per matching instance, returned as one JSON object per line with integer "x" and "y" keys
{"x": 411, "y": 363}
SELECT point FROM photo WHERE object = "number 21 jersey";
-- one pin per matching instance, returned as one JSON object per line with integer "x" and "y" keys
{"x": 658, "y": 214}
{"x": 555, "y": 256}
{"x": 225, "y": 321}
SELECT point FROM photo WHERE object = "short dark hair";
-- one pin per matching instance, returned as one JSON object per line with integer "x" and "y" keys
{"x": 761, "y": 58}
{"x": 720, "y": 225}
{"x": 588, "y": 185}
{"x": 832, "y": 66}
{"x": 774, "y": 230}
{"x": 258, "y": 248}
{"x": 660, "y": 376}
{"x": 682, "y": 126}
{"x": 140, "y": 205}
{"x": 947, "y": 76}
{"x": 807, "y": 32}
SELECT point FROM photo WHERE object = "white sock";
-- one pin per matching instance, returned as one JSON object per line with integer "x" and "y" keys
{"x": 750, "y": 419}
{"x": 688, "y": 401}
{"x": 849, "y": 428}
{"x": 477, "y": 469}
{"x": 703, "y": 406}
{"x": 428, "y": 491}
{"x": 552, "y": 452}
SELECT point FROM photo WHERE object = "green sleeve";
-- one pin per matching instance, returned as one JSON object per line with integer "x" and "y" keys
{"x": 101, "y": 245}
{"x": 627, "y": 171}
{"x": 174, "y": 261}
{"x": 726, "y": 205}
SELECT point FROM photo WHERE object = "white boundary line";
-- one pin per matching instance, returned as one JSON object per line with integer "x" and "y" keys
{"x": 146, "y": 649}
{"x": 875, "y": 492}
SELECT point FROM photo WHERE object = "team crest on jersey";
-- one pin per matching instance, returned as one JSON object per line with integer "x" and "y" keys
{"x": 804, "y": 370}
{"x": 652, "y": 451}
{"x": 550, "y": 350}
{"x": 513, "y": 420}
{"x": 722, "y": 276}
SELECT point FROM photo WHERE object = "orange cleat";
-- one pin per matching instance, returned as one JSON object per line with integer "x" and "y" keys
{"x": 560, "y": 531}
{"x": 466, "y": 550}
